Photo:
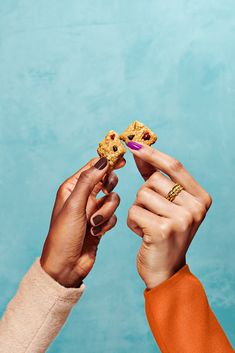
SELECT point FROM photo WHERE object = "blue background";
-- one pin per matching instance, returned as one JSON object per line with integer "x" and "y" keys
{"x": 70, "y": 71}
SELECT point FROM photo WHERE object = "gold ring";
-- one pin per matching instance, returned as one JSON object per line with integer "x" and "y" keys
{"x": 177, "y": 188}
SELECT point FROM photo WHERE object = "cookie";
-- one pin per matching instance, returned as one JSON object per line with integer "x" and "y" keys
{"x": 138, "y": 132}
{"x": 112, "y": 148}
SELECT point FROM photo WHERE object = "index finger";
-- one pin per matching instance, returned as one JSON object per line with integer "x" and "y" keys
{"x": 145, "y": 169}
{"x": 69, "y": 184}
{"x": 170, "y": 166}
{"x": 86, "y": 182}
{"x": 72, "y": 180}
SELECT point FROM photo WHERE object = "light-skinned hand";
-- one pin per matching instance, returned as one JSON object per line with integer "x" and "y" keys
{"x": 167, "y": 228}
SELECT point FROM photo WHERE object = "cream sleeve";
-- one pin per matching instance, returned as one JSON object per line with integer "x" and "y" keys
{"x": 36, "y": 314}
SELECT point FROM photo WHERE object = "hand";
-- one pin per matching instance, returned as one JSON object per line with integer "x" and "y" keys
{"x": 167, "y": 228}
{"x": 78, "y": 221}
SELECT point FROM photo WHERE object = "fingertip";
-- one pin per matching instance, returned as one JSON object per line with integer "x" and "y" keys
{"x": 120, "y": 163}
{"x": 109, "y": 183}
{"x": 134, "y": 146}
{"x": 102, "y": 164}
{"x": 96, "y": 231}
{"x": 115, "y": 197}
{"x": 108, "y": 189}
{"x": 97, "y": 220}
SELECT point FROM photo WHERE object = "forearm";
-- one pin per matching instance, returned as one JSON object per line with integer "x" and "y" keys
{"x": 36, "y": 314}
{"x": 181, "y": 319}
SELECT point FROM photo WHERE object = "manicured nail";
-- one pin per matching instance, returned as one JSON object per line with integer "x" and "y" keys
{"x": 108, "y": 184}
{"x": 96, "y": 230}
{"x": 134, "y": 145}
{"x": 101, "y": 164}
{"x": 109, "y": 187}
{"x": 98, "y": 219}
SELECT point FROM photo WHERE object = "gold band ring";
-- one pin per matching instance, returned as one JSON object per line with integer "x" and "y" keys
{"x": 177, "y": 188}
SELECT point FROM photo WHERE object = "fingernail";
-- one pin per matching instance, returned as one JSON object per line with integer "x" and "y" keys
{"x": 96, "y": 230}
{"x": 101, "y": 164}
{"x": 134, "y": 145}
{"x": 97, "y": 219}
{"x": 109, "y": 187}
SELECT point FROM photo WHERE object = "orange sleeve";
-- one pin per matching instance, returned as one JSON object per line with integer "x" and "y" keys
{"x": 181, "y": 319}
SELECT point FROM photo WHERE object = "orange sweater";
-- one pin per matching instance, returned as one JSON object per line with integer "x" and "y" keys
{"x": 181, "y": 319}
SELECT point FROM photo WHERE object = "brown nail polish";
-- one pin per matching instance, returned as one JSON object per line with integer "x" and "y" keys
{"x": 109, "y": 187}
{"x": 98, "y": 219}
{"x": 101, "y": 163}
{"x": 96, "y": 230}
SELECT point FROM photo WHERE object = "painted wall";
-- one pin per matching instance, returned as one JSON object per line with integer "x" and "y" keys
{"x": 70, "y": 71}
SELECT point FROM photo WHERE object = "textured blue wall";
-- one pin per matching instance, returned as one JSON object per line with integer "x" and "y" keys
{"x": 70, "y": 71}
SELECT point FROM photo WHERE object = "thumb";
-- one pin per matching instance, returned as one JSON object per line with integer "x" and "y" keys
{"x": 86, "y": 183}
{"x": 145, "y": 169}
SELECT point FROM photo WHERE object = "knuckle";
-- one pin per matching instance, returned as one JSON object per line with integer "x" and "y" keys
{"x": 142, "y": 194}
{"x": 208, "y": 200}
{"x": 138, "y": 194}
{"x": 199, "y": 212}
{"x": 155, "y": 178}
{"x": 61, "y": 190}
{"x": 188, "y": 217}
{"x": 166, "y": 230}
{"x": 84, "y": 177}
{"x": 185, "y": 220}
{"x": 175, "y": 165}
{"x": 131, "y": 213}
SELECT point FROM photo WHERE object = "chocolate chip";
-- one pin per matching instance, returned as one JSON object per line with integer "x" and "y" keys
{"x": 146, "y": 136}
{"x": 131, "y": 137}
{"x": 115, "y": 148}
{"x": 112, "y": 136}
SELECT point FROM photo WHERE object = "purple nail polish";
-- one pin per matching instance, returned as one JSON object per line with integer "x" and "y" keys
{"x": 134, "y": 145}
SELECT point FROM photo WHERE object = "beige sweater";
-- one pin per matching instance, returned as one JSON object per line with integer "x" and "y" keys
{"x": 36, "y": 314}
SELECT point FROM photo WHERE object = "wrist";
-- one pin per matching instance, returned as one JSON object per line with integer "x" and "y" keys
{"x": 65, "y": 276}
{"x": 159, "y": 277}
